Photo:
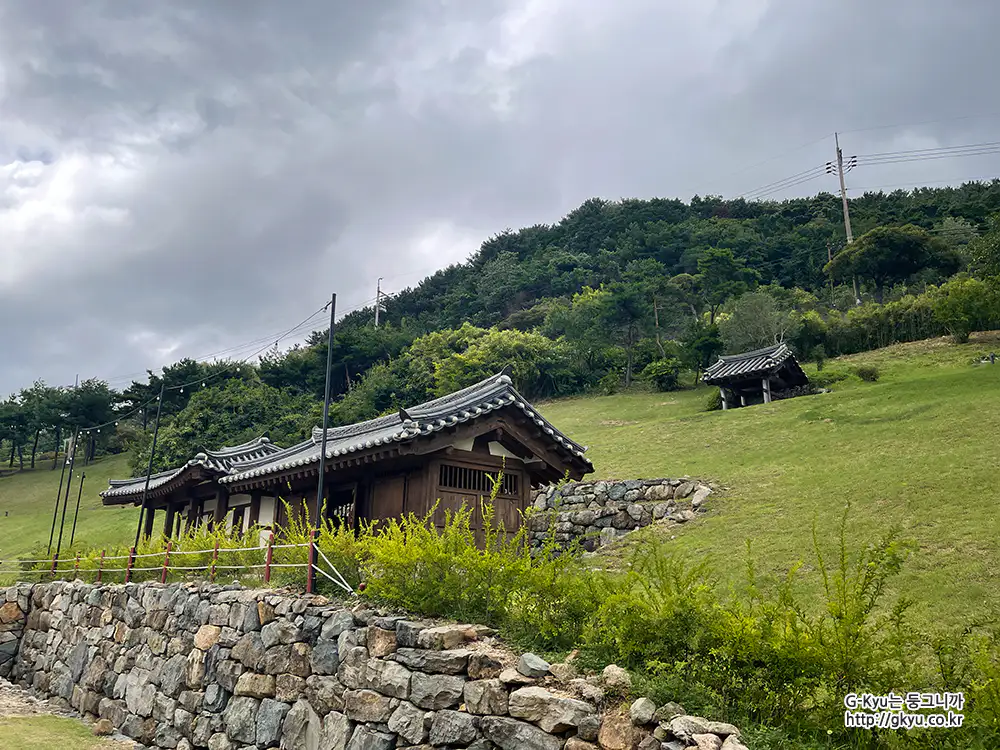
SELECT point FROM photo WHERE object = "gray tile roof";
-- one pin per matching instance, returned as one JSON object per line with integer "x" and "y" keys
{"x": 470, "y": 403}
{"x": 748, "y": 364}
{"x": 218, "y": 461}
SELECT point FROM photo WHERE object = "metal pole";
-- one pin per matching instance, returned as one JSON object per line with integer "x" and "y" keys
{"x": 55, "y": 511}
{"x": 322, "y": 443}
{"x": 149, "y": 468}
{"x": 378, "y": 298}
{"x": 76, "y": 514}
{"x": 69, "y": 482}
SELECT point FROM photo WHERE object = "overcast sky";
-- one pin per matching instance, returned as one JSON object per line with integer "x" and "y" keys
{"x": 183, "y": 177}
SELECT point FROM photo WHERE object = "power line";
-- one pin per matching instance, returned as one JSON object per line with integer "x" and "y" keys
{"x": 235, "y": 367}
{"x": 925, "y": 122}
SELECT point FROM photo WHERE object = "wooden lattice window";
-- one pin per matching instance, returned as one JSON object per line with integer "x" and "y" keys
{"x": 476, "y": 480}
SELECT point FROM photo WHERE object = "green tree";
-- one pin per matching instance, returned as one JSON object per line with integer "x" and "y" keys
{"x": 722, "y": 275}
{"x": 984, "y": 251}
{"x": 964, "y": 305}
{"x": 756, "y": 321}
{"x": 226, "y": 414}
{"x": 700, "y": 346}
{"x": 886, "y": 255}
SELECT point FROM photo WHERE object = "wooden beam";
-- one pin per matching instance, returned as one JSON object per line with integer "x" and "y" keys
{"x": 221, "y": 508}
{"x": 254, "y": 508}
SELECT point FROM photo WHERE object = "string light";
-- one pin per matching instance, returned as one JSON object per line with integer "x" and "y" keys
{"x": 204, "y": 383}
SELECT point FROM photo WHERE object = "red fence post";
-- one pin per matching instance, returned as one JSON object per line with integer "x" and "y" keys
{"x": 166, "y": 563}
{"x": 128, "y": 566}
{"x": 100, "y": 567}
{"x": 267, "y": 559}
{"x": 76, "y": 568}
{"x": 215, "y": 559}
{"x": 311, "y": 577}
{"x": 53, "y": 571}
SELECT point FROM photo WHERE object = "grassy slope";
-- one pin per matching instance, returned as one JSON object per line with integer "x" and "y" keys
{"x": 28, "y": 498}
{"x": 918, "y": 449}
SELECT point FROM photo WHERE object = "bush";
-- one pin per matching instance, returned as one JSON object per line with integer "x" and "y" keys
{"x": 662, "y": 373}
{"x": 868, "y": 373}
{"x": 828, "y": 377}
{"x": 714, "y": 400}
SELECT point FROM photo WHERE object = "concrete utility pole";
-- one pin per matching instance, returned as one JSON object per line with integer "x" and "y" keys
{"x": 378, "y": 299}
{"x": 847, "y": 211}
{"x": 843, "y": 190}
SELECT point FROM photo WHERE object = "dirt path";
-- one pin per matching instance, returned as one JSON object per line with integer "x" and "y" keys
{"x": 15, "y": 701}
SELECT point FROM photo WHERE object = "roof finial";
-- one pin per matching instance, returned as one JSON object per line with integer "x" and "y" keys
{"x": 505, "y": 374}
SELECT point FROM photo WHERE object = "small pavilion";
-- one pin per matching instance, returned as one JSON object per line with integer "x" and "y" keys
{"x": 440, "y": 455}
{"x": 754, "y": 377}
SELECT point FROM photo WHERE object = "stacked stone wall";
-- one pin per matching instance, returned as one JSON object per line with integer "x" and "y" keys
{"x": 186, "y": 666}
{"x": 595, "y": 514}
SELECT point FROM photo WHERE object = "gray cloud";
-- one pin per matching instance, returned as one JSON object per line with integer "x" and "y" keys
{"x": 179, "y": 178}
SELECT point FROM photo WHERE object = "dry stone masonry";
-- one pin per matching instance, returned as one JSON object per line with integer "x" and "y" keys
{"x": 595, "y": 514}
{"x": 186, "y": 666}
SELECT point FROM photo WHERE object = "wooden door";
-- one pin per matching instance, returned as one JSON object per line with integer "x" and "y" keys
{"x": 387, "y": 497}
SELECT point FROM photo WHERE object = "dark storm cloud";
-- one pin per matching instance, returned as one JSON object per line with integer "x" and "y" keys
{"x": 181, "y": 177}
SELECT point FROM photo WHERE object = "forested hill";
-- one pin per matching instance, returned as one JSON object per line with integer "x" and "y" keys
{"x": 786, "y": 242}
{"x": 617, "y": 290}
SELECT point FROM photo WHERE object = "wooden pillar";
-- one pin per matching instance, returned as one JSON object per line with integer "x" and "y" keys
{"x": 221, "y": 508}
{"x": 147, "y": 526}
{"x": 192, "y": 515}
{"x": 254, "y": 508}
{"x": 725, "y": 401}
{"x": 766, "y": 382}
{"x": 168, "y": 521}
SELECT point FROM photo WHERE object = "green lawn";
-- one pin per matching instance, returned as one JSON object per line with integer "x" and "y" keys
{"x": 27, "y": 500}
{"x": 50, "y": 732}
{"x": 919, "y": 449}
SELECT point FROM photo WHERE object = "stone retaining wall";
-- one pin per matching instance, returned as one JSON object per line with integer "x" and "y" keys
{"x": 185, "y": 666}
{"x": 597, "y": 513}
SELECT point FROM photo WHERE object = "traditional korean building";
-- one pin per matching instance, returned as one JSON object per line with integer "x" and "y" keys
{"x": 445, "y": 452}
{"x": 753, "y": 377}
{"x": 190, "y": 494}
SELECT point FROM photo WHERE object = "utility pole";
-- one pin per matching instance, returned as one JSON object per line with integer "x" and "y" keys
{"x": 843, "y": 199}
{"x": 843, "y": 190}
{"x": 378, "y": 299}
{"x": 317, "y": 523}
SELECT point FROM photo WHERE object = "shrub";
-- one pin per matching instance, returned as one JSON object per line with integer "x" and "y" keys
{"x": 828, "y": 377}
{"x": 714, "y": 400}
{"x": 868, "y": 373}
{"x": 662, "y": 373}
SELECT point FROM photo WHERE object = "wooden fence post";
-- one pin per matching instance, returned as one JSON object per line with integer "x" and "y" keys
{"x": 76, "y": 568}
{"x": 128, "y": 566}
{"x": 100, "y": 567}
{"x": 215, "y": 559}
{"x": 166, "y": 563}
{"x": 267, "y": 559}
{"x": 52, "y": 572}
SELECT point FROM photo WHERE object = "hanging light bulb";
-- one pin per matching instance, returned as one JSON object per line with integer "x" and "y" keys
{"x": 203, "y": 384}
{"x": 98, "y": 429}
{"x": 182, "y": 389}
{"x": 116, "y": 424}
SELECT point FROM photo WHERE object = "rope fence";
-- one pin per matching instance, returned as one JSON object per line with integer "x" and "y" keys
{"x": 268, "y": 566}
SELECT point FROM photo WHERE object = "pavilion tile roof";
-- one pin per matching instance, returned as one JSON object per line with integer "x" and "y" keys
{"x": 218, "y": 461}
{"x": 491, "y": 394}
{"x": 749, "y": 364}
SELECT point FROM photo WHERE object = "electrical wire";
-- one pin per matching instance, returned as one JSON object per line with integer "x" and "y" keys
{"x": 234, "y": 367}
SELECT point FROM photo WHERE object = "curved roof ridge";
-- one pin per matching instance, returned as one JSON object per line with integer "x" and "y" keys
{"x": 763, "y": 351}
